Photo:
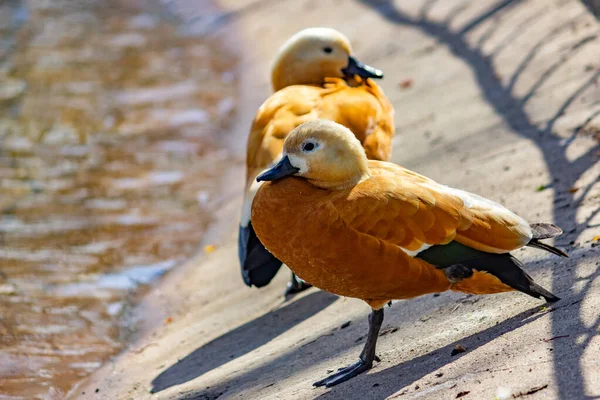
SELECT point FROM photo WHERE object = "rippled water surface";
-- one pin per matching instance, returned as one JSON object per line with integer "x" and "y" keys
{"x": 109, "y": 159}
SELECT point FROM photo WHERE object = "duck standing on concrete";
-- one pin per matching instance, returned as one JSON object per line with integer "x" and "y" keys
{"x": 314, "y": 76}
{"x": 376, "y": 231}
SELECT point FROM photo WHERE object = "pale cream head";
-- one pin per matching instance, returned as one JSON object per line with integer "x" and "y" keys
{"x": 327, "y": 154}
{"x": 309, "y": 57}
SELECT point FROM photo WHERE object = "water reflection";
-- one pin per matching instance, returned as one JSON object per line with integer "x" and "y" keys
{"x": 108, "y": 165}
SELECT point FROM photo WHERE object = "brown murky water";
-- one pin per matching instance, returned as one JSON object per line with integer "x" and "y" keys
{"x": 109, "y": 158}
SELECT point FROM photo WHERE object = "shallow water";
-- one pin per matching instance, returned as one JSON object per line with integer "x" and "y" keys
{"x": 109, "y": 159}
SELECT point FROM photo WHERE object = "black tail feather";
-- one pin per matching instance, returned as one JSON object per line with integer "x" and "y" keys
{"x": 543, "y": 246}
{"x": 540, "y": 291}
{"x": 510, "y": 271}
{"x": 259, "y": 266}
{"x": 503, "y": 266}
{"x": 545, "y": 231}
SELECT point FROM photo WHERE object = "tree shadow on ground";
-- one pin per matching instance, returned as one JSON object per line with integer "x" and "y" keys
{"x": 564, "y": 172}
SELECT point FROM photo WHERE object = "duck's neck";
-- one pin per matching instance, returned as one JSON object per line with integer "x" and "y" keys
{"x": 281, "y": 78}
{"x": 341, "y": 184}
{"x": 288, "y": 71}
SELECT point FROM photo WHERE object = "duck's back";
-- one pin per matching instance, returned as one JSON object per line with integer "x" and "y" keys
{"x": 363, "y": 109}
{"x": 413, "y": 211}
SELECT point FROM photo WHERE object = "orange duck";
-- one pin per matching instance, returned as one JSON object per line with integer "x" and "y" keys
{"x": 314, "y": 76}
{"x": 376, "y": 231}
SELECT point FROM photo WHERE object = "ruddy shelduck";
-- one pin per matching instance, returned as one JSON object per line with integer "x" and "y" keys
{"x": 376, "y": 231}
{"x": 314, "y": 76}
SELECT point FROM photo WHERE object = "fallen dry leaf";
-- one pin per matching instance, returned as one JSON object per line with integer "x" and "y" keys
{"x": 405, "y": 84}
{"x": 591, "y": 130}
{"x": 457, "y": 350}
{"x": 209, "y": 248}
{"x": 168, "y": 320}
{"x": 573, "y": 190}
{"x": 596, "y": 238}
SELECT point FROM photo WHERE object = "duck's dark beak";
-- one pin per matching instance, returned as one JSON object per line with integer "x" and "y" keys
{"x": 280, "y": 170}
{"x": 355, "y": 67}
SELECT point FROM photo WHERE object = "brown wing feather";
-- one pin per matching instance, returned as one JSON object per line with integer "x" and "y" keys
{"x": 364, "y": 110}
{"x": 414, "y": 211}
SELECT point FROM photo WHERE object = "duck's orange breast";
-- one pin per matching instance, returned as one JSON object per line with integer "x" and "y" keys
{"x": 299, "y": 224}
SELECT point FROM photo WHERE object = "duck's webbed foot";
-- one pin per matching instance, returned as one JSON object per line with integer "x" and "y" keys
{"x": 367, "y": 356}
{"x": 345, "y": 373}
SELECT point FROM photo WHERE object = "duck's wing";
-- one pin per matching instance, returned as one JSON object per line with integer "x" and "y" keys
{"x": 443, "y": 226}
{"x": 414, "y": 212}
{"x": 365, "y": 110}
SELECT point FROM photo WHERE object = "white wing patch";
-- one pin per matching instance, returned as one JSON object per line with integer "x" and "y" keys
{"x": 251, "y": 193}
{"x": 413, "y": 253}
{"x": 473, "y": 201}
{"x": 247, "y": 206}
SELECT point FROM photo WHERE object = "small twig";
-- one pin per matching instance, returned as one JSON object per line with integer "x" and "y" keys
{"x": 530, "y": 391}
{"x": 555, "y": 337}
{"x": 140, "y": 350}
{"x": 312, "y": 341}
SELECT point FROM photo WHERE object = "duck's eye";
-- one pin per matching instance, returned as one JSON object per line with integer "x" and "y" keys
{"x": 327, "y": 49}
{"x": 307, "y": 147}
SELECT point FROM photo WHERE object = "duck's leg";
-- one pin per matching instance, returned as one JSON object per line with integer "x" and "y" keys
{"x": 296, "y": 285}
{"x": 367, "y": 355}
